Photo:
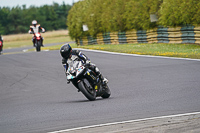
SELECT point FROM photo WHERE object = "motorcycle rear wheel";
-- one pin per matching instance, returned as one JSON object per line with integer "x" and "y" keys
{"x": 107, "y": 92}
{"x": 85, "y": 87}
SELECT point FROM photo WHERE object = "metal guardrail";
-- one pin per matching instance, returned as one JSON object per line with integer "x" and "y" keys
{"x": 186, "y": 34}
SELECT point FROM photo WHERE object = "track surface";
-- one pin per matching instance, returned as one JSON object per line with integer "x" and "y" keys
{"x": 34, "y": 95}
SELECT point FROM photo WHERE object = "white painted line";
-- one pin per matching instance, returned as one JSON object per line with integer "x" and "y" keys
{"x": 150, "y": 56}
{"x": 123, "y": 122}
{"x": 25, "y": 50}
{"x": 46, "y": 50}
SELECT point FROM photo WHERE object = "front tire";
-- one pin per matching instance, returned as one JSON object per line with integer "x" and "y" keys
{"x": 85, "y": 87}
{"x": 1, "y": 49}
{"x": 38, "y": 46}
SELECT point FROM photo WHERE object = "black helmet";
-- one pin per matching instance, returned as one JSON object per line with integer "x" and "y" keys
{"x": 65, "y": 51}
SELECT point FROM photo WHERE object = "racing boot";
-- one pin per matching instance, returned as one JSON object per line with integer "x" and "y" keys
{"x": 42, "y": 42}
{"x": 103, "y": 80}
{"x": 33, "y": 42}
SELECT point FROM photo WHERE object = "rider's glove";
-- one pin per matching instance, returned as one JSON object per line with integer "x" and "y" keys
{"x": 43, "y": 30}
{"x": 68, "y": 81}
{"x": 67, "y": 73}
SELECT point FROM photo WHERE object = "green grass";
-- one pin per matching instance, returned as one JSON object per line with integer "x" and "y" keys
{"x": 16, "y": 44}
{"x": 170, "y": 50}
{"x": 22, "y": 40}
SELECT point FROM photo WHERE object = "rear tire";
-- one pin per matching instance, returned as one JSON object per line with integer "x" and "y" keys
{"x": 85, "y": 87}
{"x": 107, "y": 92}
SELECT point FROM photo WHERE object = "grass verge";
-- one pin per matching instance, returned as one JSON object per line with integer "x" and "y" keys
{"x": 170, "y": 50}
{"x": 23, "y": 40}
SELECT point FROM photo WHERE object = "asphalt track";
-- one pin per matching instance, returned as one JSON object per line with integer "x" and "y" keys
{"x": 34, "y": 95}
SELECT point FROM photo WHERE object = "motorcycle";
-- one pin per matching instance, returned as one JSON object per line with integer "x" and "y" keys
{"x": 38, "y": 41}
{"x": 1, "y": 46}
{"x": 86, "y": 81}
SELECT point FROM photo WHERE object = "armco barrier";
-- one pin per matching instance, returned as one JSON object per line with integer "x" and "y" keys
{"x": 100, "y": 39}
{"x": 122, "y": 37}
{"x": 131, "y": 36}
{"x": 197, "y": 34}
{"x": 174, "y": 35}
{"x": 162, "y": 35}
{"x": 152, "y": 36}
{"x": 142, "y": 36}
{"x": 91, "y": 40}
{"x": 188, "y": 34}
{"x": 106, "y": 38}
{"x": 185, "y": 34}
{"x": 114, "y": 38}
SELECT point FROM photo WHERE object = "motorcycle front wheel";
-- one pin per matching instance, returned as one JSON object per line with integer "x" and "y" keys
{"x": 1, "y": 48}
{"x": 85, "y": 87}
{"x": 38, "y": 46}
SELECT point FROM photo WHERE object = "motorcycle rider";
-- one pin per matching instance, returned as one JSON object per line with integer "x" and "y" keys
{"x": 1, "y": 39}
{"x": 35, "y": 28}
{"x": 70, "y": 55}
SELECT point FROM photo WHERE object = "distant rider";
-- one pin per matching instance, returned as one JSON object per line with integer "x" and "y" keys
{"x": 35, "y": 28}
{"x": 1, "y": 39}
{"x": 70, "y": 55}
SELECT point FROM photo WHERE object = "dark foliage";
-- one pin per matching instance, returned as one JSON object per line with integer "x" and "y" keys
{"x": 18, "y": 19}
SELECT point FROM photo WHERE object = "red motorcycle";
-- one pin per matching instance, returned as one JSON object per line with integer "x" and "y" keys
{"x": 38, "y": 41}
{"x": 1, "y": 46}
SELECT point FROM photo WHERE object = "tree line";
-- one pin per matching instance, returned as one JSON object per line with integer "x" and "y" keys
{"x": 18, "y": 19}
{"x": 102, "y": 16}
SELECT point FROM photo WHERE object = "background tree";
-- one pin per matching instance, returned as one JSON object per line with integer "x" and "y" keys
{"x": 18, "y": 19}
{"x": 111, "y": 15}
{"x": 75, "y": 19}
{"x": 179, "y": 12}
{"x": 3, "y": 21}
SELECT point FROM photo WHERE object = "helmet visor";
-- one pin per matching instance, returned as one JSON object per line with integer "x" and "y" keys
{"x": 67, "y": 55}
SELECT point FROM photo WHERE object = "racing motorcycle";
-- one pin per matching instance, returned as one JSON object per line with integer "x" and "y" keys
{"x": 38, "y": 41}
{"x": 1, "y": 46}
{"x": 86, "y": 81}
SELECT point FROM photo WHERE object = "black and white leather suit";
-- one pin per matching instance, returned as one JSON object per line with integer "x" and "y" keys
{"x": 79, "y": 56}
